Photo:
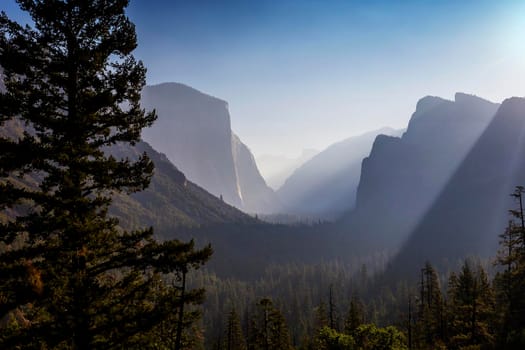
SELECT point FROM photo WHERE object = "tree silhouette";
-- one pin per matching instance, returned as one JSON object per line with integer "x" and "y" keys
{"x": 75, "y": 275}
{"x": 471, "y": 308}
{"x": 510, "y": 282}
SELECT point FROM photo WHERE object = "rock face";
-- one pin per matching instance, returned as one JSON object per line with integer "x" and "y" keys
{"x": 171, "y": 201}
{"x": 194, "y": 131}
{"x": 326, "y": 185}
{"x": 256, "y": 197}
{"x": 402, "y": 177}
{"x": 472, "y": 209}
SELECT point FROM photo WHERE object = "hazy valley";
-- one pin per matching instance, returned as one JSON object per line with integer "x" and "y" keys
{"x": 305, "y": 207}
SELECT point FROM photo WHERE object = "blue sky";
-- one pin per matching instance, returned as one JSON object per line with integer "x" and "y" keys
{"x": 304, "y": 74}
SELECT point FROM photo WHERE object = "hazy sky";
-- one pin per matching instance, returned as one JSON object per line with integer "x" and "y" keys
{"x": 304, "y": 74}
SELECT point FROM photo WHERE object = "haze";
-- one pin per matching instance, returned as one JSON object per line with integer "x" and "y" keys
{"x": 305, "y": 74}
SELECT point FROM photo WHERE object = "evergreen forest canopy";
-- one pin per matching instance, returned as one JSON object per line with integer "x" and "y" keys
{"x": 72, "y": 276}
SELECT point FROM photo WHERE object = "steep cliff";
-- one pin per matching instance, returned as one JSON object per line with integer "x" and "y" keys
{"x": 257, "y": 197}
{"x": 472, "y": 209}
{"x": 194, "y": 131}
{"x": 402, "y": 177}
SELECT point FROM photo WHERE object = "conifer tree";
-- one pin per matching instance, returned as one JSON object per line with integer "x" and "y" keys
{"x": 332, "y": 314}
{"x": 79, "y": 280}
{"x": 269, "y": 330}
{"x": 233, "y": 337}
{"x": 321, "y": 316}
{"x": 510, "y": 282}
{"x": 430, "y": 322}
{"x": 471, "y": 308}
{"x": 355, "y": 316}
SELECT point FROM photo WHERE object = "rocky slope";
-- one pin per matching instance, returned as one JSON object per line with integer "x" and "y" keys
{"x": 194, "y": 131}
{"x": 171, "y": 201}
{"x": 256, "y": 196}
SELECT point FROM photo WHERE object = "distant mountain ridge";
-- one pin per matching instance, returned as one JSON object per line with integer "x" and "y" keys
{"x": 403, "y": 176}
{"x": 277, "y": 168}
{"x": 326, "y": 185}
{"x": 193, "y": 129}
{"x": 472, "y": 209}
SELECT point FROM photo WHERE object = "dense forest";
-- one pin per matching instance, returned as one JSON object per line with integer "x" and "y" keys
{"x": 475, "y": 305}
{"x": 81, "y": 268}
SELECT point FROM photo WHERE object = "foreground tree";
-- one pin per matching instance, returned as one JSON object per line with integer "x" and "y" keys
{"x": 510, "y": 281}
{"x": 76, "y": 278}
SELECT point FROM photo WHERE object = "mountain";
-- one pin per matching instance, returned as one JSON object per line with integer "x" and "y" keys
{"x": 472, "y": 209}
{"x": 170, "y": 202}
{"x": 327, "y": 183}
{"x": 403, "y": 176}
{"x": 277, "y": 168}
{"x": 194, "y": 131}
{"x": 255, "y": 195}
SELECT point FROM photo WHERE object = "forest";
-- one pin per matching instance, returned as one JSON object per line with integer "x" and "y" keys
{"x": 84, "y": 266}
{"x": 475, "y": 305}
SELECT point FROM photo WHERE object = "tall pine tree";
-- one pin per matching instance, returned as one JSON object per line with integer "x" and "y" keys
{"x": 233, "y": 337}
{"x": 268, "y": 329}
{"x": 355, "y": 317}
{"x": 78, "y": 279}
{"x": 471, "y": 309}
{"x": 510, "y": 281}
{"x": 430, "y": 318}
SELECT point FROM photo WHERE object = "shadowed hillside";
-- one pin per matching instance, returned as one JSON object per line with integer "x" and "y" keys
{"x": 402, "y": 177}
{"x": 171, "y": 201}
{"x": 472, "y": 210}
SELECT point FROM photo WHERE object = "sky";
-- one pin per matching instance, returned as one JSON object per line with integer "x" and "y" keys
{"x": 305, "y": 74}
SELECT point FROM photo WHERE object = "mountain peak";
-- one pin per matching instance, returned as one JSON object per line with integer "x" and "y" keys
{"x": 179, "y": 91}
{"x": 463, "y": 98}
{"x": 194, "y": 130}
{"x": 428, "y": 102}
{"x": 513, "y": 102}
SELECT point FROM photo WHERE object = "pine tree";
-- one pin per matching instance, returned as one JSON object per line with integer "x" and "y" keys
{"x": 510, "y": 282}
{"x": 268, "y": 329}
{"x": 471, "y": 308}
{"x": 78, "y": 278}
{"x": 332, "y": 314}
{"x": 355, "y": 316}
{"x": 321, "y": 316}
{"x": 430, "y": 318}
{"x": 233, "y": 337}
